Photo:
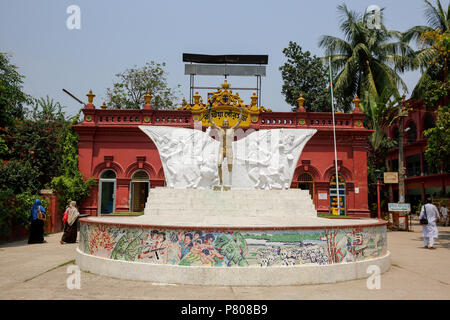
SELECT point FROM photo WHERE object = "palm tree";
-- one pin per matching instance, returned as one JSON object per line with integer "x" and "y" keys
{"x": 438, "y": 19}
{"x": 366, "y": 60}
{"x": 381, "y": 112}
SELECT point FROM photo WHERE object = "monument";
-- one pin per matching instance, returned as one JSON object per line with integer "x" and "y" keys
{"x": 253, "y": 230}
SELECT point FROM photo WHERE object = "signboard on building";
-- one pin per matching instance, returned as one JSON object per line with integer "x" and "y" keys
{"x": 323, "y": 196}
{"x": 391, "y": 177}
{"x": 399, "y": 207}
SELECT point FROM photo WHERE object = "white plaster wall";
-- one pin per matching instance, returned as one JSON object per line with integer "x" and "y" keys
{"x": 233, "y": 276}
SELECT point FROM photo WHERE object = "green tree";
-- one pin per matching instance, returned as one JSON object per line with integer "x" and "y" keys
{"x": 381, "y": 112}
{"x": 35, "y": 154}
{"x": 437, "y": 153}
{"x": 434, "y": 84}
{"x": 366, "y": 60}
{"x": 304, "y": 74}
{"x": 437, "y": 18}
{"x": 131, "y": 85}
{"x": 35, "y": 147}
{"x": 432, "y": 38}
{"x": 12, "y": 99}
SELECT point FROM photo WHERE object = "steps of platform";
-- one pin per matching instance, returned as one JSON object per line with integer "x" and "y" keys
{"x": 236, "y": 202}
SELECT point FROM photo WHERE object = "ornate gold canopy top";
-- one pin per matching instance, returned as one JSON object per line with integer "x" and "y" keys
{"x": 224, "y": 104}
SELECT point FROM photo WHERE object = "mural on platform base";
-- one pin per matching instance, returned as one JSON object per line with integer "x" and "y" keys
{"x": 233, "y": 248}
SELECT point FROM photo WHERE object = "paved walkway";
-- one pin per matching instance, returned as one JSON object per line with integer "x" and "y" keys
{"x": 38, "y": 271}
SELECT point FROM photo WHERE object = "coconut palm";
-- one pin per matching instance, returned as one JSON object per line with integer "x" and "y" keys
{"x": 381, "y": 112}
{"x": 366, "y": 60}
{"x": 438, "y": 19}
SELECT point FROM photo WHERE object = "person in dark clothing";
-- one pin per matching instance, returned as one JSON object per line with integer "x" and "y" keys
{"x": 70, "y": 225}
{"x": 37, "y": 225}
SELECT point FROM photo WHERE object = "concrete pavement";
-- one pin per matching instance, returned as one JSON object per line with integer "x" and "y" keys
{"x": 39, "y": 271}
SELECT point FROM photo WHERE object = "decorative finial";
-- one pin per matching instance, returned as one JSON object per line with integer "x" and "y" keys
{"x": 148, "y": 97}
{"x": 90, "y": 96}
{"x": 356, "y": 103}
{"x": 225, "y": 85}
{"x": 196, "y": 98}
{"x": 104, "y": 105}
{"x": 254, "y": 98}
{"x": 183, "y": 102}
{"x": 301, "y": 101}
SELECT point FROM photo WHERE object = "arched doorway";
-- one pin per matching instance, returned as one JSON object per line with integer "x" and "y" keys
{"x": 333, "y": 194}
{"x": 139, "y": 187}
{"x": 306, "y": 182}
{"x": 107, "y": 192}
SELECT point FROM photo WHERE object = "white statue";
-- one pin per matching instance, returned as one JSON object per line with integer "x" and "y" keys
{"x": 264, "y": 159}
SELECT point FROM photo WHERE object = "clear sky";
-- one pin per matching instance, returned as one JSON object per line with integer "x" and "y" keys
{"x": 116, "y": 35}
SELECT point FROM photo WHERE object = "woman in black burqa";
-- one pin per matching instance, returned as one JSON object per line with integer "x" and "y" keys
{"x": 37, "y": 225}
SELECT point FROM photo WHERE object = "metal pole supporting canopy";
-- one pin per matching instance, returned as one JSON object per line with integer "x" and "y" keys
{"x": 225, "y": 65}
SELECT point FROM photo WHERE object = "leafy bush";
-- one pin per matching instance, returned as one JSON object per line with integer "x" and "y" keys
{"x": 437, "y": 151}
{"x": 70, "y": 188}
{"x": 15, "y": 210}
{"x": 20, "y": 176}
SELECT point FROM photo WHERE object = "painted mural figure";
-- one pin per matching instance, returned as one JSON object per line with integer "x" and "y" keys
{"x": 185, "y": 245}
{"x": 154, "y": 247}
{"x": 226, "y": 136}
{"x": 233, "y": 249}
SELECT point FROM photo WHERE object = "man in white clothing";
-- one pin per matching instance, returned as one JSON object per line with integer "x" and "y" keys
{"x": 429, "y": 231}
{"x": 444, "y": 212}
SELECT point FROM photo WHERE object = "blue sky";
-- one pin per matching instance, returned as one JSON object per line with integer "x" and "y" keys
{"x": 116, "y": 35}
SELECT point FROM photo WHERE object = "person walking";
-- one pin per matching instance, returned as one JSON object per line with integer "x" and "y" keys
{"x": 444, "y": 212}
{"x": 70, "y": 226}
{"x": 429, "y": 230}
{"x": 37, "y": 223}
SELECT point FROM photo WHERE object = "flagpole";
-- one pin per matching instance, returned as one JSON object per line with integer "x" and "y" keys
{"x": 334, "y": 138}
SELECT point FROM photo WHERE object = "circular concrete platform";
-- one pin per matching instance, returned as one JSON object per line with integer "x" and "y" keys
{"x": 239, "y": 251}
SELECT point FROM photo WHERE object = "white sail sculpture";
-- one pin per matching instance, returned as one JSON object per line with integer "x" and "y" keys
{"x": 263, "y": 159}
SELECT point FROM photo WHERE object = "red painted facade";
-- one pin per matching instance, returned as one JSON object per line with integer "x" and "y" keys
{"x": 111, "y": 139}
{"x": 420, "y": 180}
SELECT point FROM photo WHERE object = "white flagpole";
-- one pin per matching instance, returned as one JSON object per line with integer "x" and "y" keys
{"x": 334, "y": 138}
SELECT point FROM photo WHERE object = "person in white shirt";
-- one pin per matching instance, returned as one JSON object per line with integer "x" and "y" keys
{"x": 429, "y": 230}
{"x": 444, "y": 212}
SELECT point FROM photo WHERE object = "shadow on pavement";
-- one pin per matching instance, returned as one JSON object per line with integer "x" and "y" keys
{"x": 19, "y": 243}
{"x": 443, "y": 240}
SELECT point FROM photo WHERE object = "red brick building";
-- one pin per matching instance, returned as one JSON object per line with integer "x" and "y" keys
{"x": 126, "y": 163}
{"x": 420, "y": 180}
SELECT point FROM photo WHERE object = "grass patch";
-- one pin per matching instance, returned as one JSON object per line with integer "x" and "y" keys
{"x": 61, "y": 265}
{"x": 331, "y": 216}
